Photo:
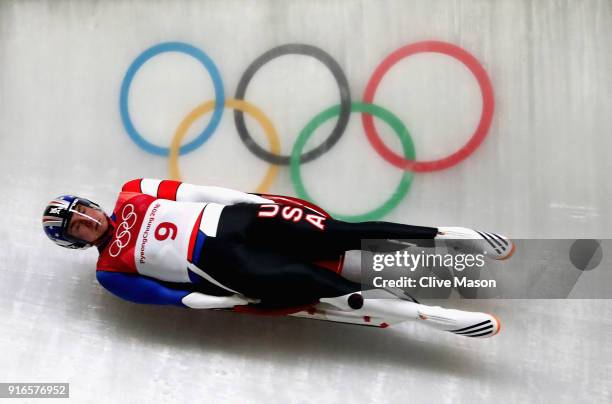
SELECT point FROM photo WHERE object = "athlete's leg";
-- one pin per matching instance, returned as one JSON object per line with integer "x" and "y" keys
{"x": 278, "y": 280}
{"x": 469, "y": 324}
{"x": 312, "y": 236}
{"x": 304, "y": 234}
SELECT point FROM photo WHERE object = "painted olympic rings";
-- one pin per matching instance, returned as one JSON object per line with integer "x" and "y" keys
{"x": 343, "y": 110}
{"x": 240, "y": 105}
{"x": 371, "y": 109}
{"x": 127, "y": 82}
{"x": 486, "y": 90}
{"x": 345, "y": 101}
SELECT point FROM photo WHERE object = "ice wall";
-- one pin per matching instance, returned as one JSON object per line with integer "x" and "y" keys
{"x": 540, "y": 170}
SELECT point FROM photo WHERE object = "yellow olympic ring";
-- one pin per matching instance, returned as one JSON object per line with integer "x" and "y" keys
{"x": 241, "y": 105}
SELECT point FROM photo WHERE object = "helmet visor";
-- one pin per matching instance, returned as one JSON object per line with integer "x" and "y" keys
{"x": 86, "y": 222}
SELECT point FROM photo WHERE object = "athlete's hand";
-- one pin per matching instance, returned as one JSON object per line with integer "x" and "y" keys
{"x": 253, "y": 300}
{"x": 245, "y": 300}
{"x": 196, "y": 300}
{"x": 240, "y": 300}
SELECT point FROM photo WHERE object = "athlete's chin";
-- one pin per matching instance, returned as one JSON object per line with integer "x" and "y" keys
{"x": 101, "y": 230}
{"x": 97, "y": 236}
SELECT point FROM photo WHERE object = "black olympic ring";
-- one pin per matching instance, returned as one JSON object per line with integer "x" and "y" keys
{"x": 345, "y": 102}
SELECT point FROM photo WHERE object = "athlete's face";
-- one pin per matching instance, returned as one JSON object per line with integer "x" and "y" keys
{"x": 83, "y": 227}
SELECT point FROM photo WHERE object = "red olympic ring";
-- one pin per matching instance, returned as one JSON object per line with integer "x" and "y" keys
{"x": 486, "y": 117}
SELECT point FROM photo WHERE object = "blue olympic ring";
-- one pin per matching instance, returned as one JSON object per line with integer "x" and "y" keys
{"x": 127, "y": 82}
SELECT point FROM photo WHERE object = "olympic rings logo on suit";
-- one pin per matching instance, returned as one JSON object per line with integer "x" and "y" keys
{"x": 346, "y": 106}
{"x": 125, "y": 227}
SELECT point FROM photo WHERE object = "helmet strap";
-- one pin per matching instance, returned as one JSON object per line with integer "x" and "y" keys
{"x": 85, "y": 215}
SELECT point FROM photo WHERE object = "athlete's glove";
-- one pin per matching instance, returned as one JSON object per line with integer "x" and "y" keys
{"x": 197, "y": 300}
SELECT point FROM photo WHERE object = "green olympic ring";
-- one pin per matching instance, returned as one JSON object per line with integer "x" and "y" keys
{"x": 378, "y": 111}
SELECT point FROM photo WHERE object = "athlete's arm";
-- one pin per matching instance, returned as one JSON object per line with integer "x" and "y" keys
{"x": 184, "y": 192}
{"x": 142, "y": 289}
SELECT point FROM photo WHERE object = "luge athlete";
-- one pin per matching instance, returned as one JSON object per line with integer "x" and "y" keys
{"x": 203, "y": 247}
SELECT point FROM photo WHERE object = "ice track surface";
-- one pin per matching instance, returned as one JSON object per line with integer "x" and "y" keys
{"x": 542, "y": 171}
